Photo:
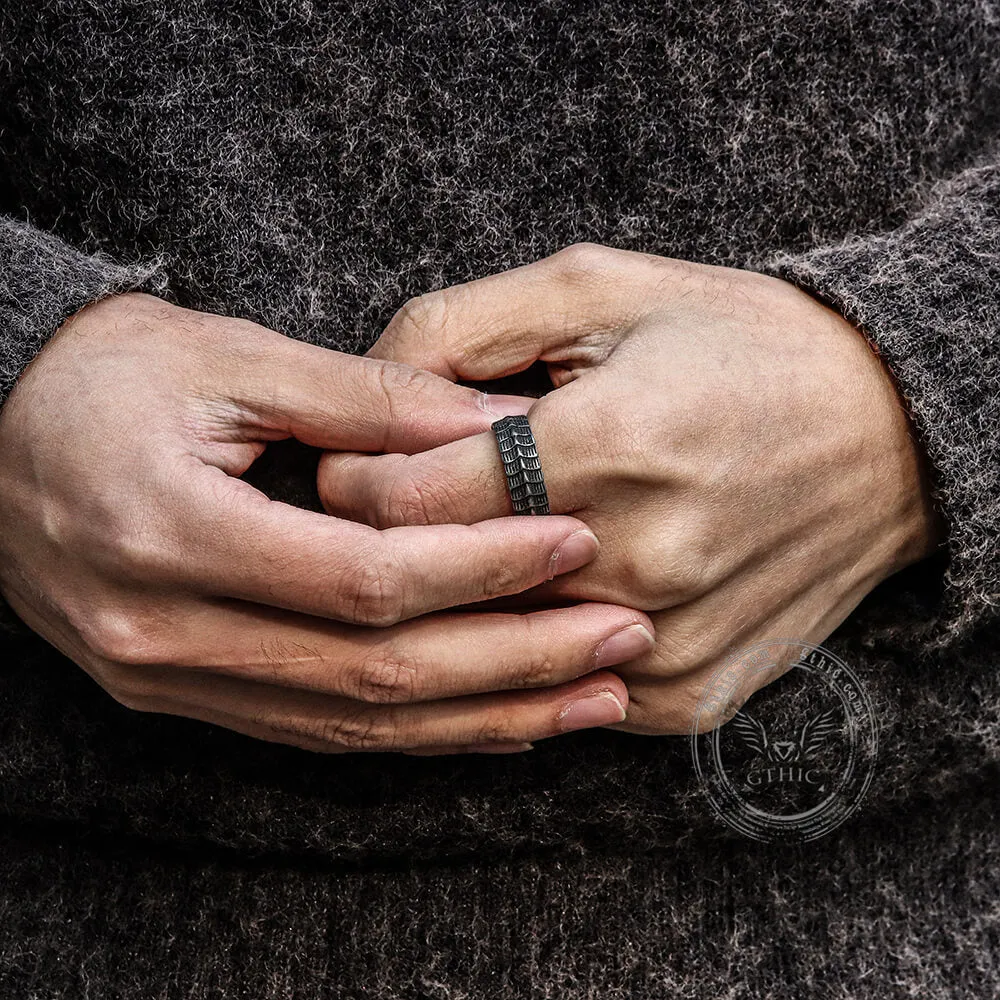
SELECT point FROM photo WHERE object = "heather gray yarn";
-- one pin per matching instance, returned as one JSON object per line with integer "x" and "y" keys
{"x": 928, "y": 296}
{"x": 42, "y": 282}
{"x": 311, "y": 165}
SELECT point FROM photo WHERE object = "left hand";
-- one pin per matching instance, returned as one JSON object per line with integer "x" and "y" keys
{"x": 737, "y": 447}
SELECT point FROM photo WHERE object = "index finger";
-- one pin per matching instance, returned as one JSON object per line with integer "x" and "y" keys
{"x": 235, "y": 542}
{"x": 555, "y": 310}
{"x": 461, "y": 482}
{"x": 328, "y": 399}
{"x": 435, "y": 656}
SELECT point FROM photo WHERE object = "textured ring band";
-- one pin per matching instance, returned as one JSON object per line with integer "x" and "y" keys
{"x": 521, "y": 465}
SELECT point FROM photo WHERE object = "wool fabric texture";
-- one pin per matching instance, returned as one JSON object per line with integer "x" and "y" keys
{"x": 309, "y": 166}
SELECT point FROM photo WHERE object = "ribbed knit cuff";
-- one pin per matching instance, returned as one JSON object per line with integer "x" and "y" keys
{"x": 42, "y": 283}
{"x": 927, "y": 296}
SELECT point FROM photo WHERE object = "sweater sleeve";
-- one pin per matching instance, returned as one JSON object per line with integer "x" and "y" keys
{"x": 927, "y": 297}
{"x": 43, "y": 281}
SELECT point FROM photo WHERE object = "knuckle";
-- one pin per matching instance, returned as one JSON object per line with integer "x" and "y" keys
{"x": 648, "y": 586}
{"x": 397, "y": 379}
{"x": 666, "y": 576}
{"x": 355, "y": 487}
{"x": 141, "y": 553}
{"x": 119, "y": 636}
{"x": 377, "y": 595}
{"x": 130, "y": 686}
{"x": 537, "y": 670}
{"x": 708, "y": 704}
{"x": 494, "y": 731}
{"x": 351, "y": 731}
{"x": 385, "y": 677}
{"x": 249, "y": 335}
{"x": 683, "y": 648}
{"x": 499, "y": 580}
{"x": 132, "y": 699}
{"x": 698, "y": 703}
{"x": 402, "y": 389}
{"x": 419, "y": 316}
{"x": 676, "y": 713}
{"x": 707, "y": 718}
{"x": 405, "y": 500}
{"x": 329, "y": 483}
{"x": 537, "y": 667}
{"x": 666, "y": 273}
{"x": 687, "y": 578}
{"x": 582, "y": 261}
{"x": 357, "y": 731}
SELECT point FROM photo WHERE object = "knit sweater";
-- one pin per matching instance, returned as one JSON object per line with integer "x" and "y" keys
{"x": 310, "y": 165}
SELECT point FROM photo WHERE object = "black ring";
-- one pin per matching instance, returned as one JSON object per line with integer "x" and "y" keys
{"x": 521, "y": 465}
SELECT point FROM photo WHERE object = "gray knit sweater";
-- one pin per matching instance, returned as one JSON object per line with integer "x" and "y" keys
{"x": 310, "y": 165}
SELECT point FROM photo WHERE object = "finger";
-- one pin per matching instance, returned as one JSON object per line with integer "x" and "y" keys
{"x": 331, "y": 724}
{"x": 433, "y": 657}
{"x": 462, "y": 482}
{"x": 697, "y": 658}
{"x": 332, "y": 400}
{"x": 675, "y": 705}
{"x": 235, "y": 542}
{"x": 556, "y": 310}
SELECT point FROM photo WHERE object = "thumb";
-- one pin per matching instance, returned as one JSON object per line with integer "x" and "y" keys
{"x": 566, "y": 310}
{"x": 337, "y": 401}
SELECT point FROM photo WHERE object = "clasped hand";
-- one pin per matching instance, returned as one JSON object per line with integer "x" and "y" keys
{"x": 736, "y": 446}
{"x": 726, "y": 460}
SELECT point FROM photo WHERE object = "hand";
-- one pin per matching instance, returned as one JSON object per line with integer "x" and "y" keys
{"x": 130, "y": 544}
{"x": 737, "y": 447}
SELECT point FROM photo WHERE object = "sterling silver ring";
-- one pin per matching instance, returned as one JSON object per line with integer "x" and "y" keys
{"x": 521, "y": 465}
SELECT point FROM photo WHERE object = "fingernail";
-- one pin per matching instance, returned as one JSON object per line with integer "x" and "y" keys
{"x": 628, "y": 644}
{"x": 506, "y": 406}
{"x": 573, "y": 552}
{"x": 598, "y": 710}
{"x": 499, "y": 747}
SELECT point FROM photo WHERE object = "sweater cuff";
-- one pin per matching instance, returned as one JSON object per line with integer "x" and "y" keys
{"x": 927, "y": 297}
{"x": 42, "y": 283}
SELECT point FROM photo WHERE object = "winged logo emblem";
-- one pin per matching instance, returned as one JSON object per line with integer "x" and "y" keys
{"x": 811, "y": 738}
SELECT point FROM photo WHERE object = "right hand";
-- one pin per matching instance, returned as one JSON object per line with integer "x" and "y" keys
{"x": 129, "y": 543}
